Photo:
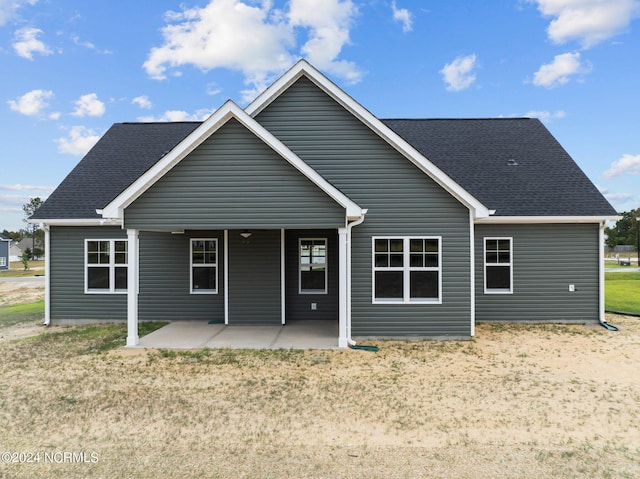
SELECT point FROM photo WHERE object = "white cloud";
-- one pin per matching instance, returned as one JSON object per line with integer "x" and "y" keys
{"x": 618, "y": 197}
{"x": 588, "y": 21}
{"x": 627, "y": 165}
{"x": 78, "y": 142}
{"x": 546, "y": 116}
{"x": 558, "y": 72}
{"x": 255, "y": 39}
{"x": 142, "y": 101}
{"x": 31, "y": 103}
{"x": 26, "y": 43}
{"x": 178, "y": 115}
{"x": 19, "y": 187}
{"x": 89, "y": 105}
{"x": 403, "y": 16}
{"x": 9, "y": 9}
{"x": 329, "y": 23}
{"x": 213, "y": 89}
{"x": 458, "y": 75}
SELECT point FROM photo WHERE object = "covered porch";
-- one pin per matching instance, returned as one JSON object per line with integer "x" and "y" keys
{"x": 303, "y": 334}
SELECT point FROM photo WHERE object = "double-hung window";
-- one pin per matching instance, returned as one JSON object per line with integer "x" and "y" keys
{"x": 313, "y": 265}
{"x": 106, "y": 266}
{"x": 3, "y": 260}
{"x": 498, "y": 266}
{"x": 407, "y": 270}
{"x": 204, "y": 266}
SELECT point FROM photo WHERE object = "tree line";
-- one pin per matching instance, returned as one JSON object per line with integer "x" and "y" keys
{"x": 625, "y": 231}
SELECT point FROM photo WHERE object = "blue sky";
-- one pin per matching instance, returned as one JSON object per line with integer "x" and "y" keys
{"x": 71, "y": 69}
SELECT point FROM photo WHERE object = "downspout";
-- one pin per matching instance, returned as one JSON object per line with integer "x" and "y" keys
{"x": 350, "y": 226}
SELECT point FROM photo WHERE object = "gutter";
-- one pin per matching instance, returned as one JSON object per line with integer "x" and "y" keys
{"x": 350, "y": 226}
{"x": 47, "y": 274}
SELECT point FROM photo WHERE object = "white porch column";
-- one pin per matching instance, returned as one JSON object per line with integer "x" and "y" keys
{"x": 132, "y": 288}
{"x": 47, "y": 275}
{"x": 343, "y": 292}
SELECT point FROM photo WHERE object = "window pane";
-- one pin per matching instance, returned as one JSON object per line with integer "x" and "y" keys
{"x": 498, "y": 277}
{"x": 92, "y": 246}
{"x": 92, "y": 258}
{"x": 198, "y": 258}
{"x": 504, "y": 257}
{"x": 204, "y": 278}
{"x": 504, "y": 244}
{"x": 396, "y": 260}
{"x": 416, "y": 245}
{"x": 382, "y": 245}
{"x": 210, "y": 258}
{"x": 98, "y": 278}
{"x": 103, "y": 258}
{"x": 431, "y": 260}
{"x": 417, "y": 260}
{"x": 431, "y": 245}
{"x": 382, "y": 260}
{"x": 121, "y": 258}
{"x": 492, "y": 257}
{"x": 396, "y": 245}
{"x": 424, "y": 285}
{"x": 389, "y": 285}
{"x": 121, "y": 278}
{"x": 313, "y": 280}
{"x": 121, "y": 246}
{"x": 491, "y": 245}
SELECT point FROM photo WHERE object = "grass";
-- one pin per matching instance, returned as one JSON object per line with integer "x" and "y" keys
{"x": 36, "y": 268}
{"x": 547, "y": 404}
{"x": 622, "y": 292}
{"x": 21, "y": 313}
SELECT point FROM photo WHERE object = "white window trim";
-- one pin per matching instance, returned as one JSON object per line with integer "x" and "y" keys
{"x": 3, "y": 260}
{"x": 406, "y": 269}
{"x": 326, "y": 267}
{"x": 191, "y": 266}
{"x": 112, "y": 266}
{"x": 486, "y": 265}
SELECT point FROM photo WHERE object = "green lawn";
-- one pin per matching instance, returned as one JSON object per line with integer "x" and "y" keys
{"x": 622, "y": 292}
{"x": 21, "y": 313}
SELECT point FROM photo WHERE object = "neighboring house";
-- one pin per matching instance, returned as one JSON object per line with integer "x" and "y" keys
{"x": 305, "y": 206}
{"x": 5, "y": 260}
{"x": 28, "y": 244}
{"x": 15, "y": 253}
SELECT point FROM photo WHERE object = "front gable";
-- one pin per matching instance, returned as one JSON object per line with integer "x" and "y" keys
{"x": 233, "y": 180}
{"x": 175, "y": 204}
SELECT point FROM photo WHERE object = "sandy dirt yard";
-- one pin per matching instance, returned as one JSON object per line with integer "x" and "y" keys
{"x": 527, "y": 401}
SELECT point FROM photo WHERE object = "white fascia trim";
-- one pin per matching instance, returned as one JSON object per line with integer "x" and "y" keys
{"x": 544, "y": 219}
{"x": 303, "y": 68}
{"x": 229, "y": 110}
{"x": 78, "y": 222}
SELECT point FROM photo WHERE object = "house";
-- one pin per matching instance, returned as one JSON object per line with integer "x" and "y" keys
{"x": 304, "y": 205}
{"x": 15, "y": 253}
{"x": 5, "y": 244}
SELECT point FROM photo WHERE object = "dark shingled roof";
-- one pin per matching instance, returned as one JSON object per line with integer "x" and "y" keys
{"x": 474, "y": 153}
{"x": 124, "y": 153}
{"x": 511, "y": 165}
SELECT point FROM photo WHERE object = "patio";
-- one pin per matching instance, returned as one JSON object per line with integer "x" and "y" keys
{"x": 308, "y": 334}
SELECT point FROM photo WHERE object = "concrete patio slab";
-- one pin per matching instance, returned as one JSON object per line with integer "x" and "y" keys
{"x": 199, "y": 334}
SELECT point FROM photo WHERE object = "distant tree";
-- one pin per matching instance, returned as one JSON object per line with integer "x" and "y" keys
{"x": 13, "y": 235}
{"x": 625, "y": 230}
{"x": 32, "y": 229}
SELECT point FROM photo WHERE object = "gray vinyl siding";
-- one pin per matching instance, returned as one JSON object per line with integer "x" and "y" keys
{"x": 255, "y": 278}
{"x": 546, "y": 260}
{"x": 66, "y": 257}
{"x": 234, "y": 180}
{"x": 165, "y": 282}
{"x": 402, "y": 201}
{"x": 298, "y": 306}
